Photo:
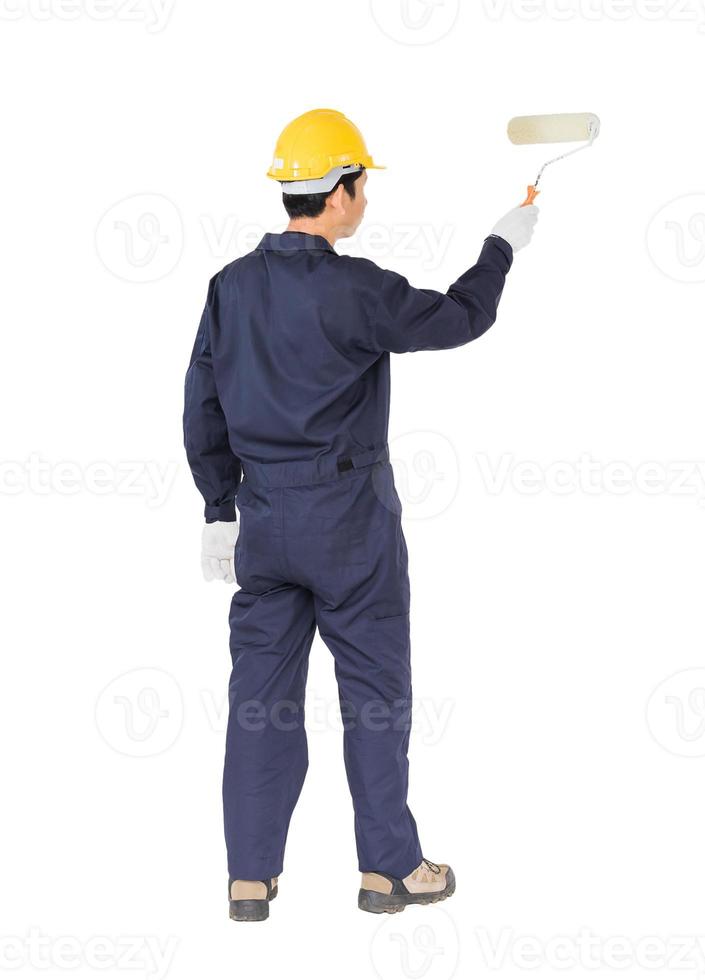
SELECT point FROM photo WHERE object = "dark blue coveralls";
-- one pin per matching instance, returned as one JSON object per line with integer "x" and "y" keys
{"x": 286, "y": 413}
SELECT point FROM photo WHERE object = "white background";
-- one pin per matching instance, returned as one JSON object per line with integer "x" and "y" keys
{"x": 556, "y": 552}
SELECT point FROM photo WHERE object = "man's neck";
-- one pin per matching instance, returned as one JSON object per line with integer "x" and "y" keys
{"x": 310, "y": 226}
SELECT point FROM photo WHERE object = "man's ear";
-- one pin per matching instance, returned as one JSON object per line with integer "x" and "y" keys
{"x": 336, "y": 199}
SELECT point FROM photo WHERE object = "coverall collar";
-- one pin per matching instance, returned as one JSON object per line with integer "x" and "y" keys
{"x": 295, "y": 240}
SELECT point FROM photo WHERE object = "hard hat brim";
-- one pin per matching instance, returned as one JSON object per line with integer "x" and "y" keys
{"x": 310, "y": 173}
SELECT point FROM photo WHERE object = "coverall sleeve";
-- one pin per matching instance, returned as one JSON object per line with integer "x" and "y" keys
{"x": 215, "y": 468}
{"x": 408, "y": 319}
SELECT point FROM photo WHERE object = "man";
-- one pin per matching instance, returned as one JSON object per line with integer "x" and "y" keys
{"x": 287, "y": 407}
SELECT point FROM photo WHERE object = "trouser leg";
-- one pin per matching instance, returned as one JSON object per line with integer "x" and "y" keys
{"x": 266, "y": 752}
{"x": 362, "y": 614}
{"x": 374, "y": 681}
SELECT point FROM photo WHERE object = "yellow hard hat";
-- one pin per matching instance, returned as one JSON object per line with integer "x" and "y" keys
{"x": 315, "y": 145}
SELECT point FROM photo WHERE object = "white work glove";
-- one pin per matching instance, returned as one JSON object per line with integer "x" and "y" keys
{"x": 218, "y": 550}
{"x": 517, "y": 226}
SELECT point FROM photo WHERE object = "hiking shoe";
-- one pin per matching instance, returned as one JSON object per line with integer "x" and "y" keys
{"x": 427, "y": 884}
{"x": 249, "y": 900}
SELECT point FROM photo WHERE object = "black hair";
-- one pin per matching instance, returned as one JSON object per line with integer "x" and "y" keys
{"x": 311, "y": 205}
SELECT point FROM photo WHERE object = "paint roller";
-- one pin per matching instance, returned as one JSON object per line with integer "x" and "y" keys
{"x": 566, "y": 127}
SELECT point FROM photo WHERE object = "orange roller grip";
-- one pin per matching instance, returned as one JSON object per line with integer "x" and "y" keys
{"x": 531, "y": 194}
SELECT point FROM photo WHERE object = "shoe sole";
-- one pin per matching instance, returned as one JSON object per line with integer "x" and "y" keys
{"x": 377, "y": 902}
{"x": 251, "y": 909}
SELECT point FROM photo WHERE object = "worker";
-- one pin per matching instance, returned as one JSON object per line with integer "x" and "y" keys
{"x": 286, "y": 417}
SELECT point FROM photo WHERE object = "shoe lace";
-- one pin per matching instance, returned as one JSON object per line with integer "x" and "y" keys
{"x": 421, "y": 873}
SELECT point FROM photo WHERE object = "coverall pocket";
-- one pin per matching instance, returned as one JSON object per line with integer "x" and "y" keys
{"x": 387, "y": 639}
{"x": 391, "y": 612}
{"x": 237, "y": 553}
{"x": 344, "y": 546}
{"x": 360, "y": 536}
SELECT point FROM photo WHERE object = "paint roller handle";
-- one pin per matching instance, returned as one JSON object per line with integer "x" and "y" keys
{"x": 531, "y": 195}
